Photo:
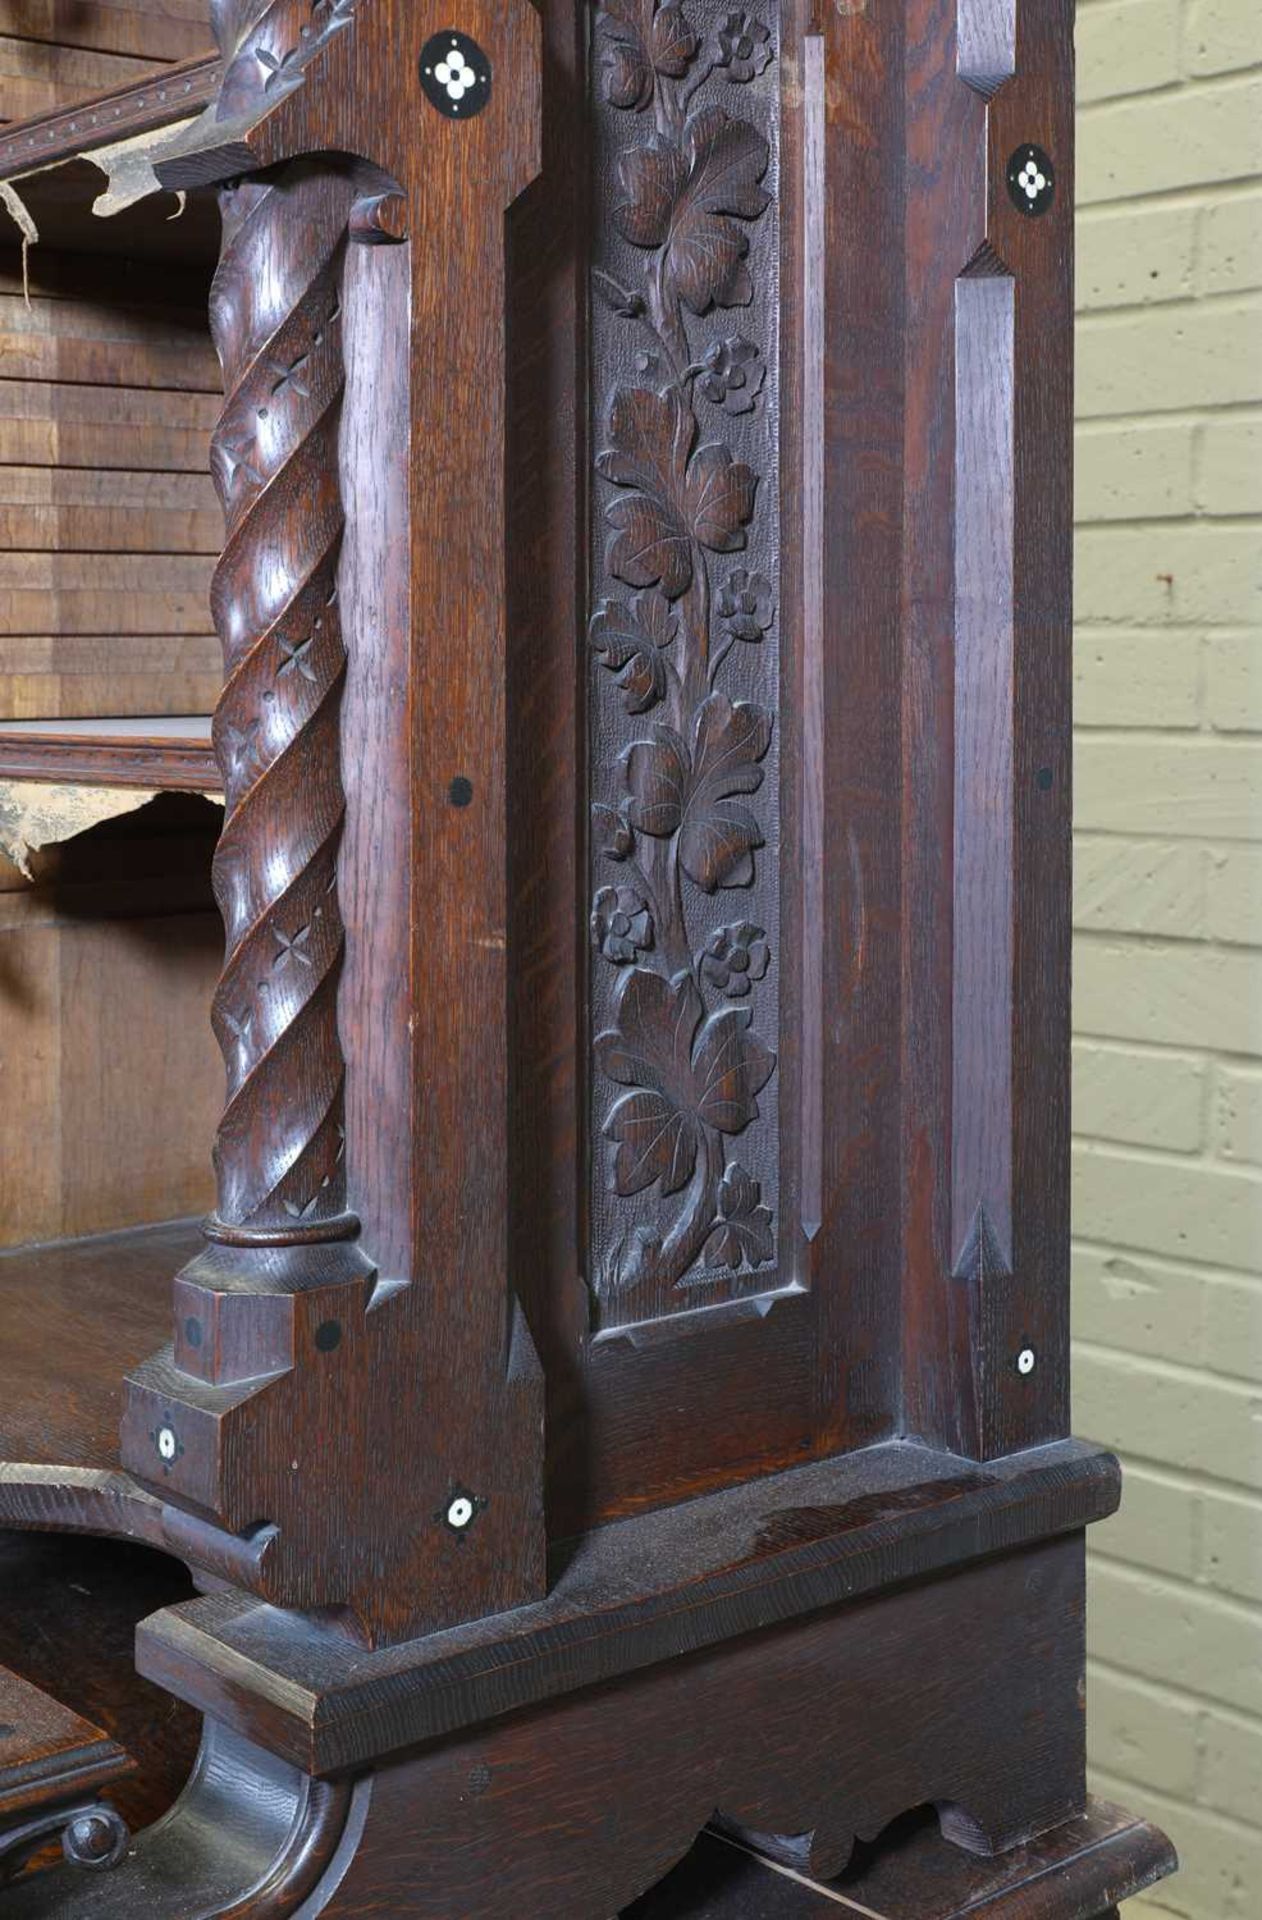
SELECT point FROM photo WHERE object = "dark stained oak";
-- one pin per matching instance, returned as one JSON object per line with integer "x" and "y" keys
{"x": 621, "y": 1390}
{"x": 139, "y": 106}
{"x": 583, "y": 1805}
{"x": 623, "y": 1597}
{"x": 76, "y": 1316}
{"x": 47, "y": 1753}
{"x": 67, "y": 1626}
{"x": 1078, "y": 1871}
{"x": 173, "y": 755}
{"x": 291, "y": 1310}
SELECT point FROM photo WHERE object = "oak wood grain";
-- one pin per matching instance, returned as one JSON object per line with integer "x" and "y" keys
{"x": 55, "y": 119}
{"x": 48, "y": 1753}
{"x": 1078, "y": 1871}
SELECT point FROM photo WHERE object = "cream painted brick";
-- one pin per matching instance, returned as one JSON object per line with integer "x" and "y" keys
{"x": 1136, "y": 679}
{"x": 1233, "y": 1332}
{"x": 1127, "y": 46}
{"x": 1141, "y": 255}
{"x": 1220, "y": 1860}
{"x": 1193, "y": 789}
{"x": 1145, "y": 1732}
{"x": 1234, "y": 897}
{"x": 1145, "y": 1099}
{"x": 1233, "y": 682}
{"x": 1158, "y": 1525}
{"x": 1182, "y": 139}
{"x": 1188, "y": 1210}
{"x": 1167, "y": 1298}
{"x": 1169, "y": 995}
{"x": 1222, "y": 35}
{"x": 1169, "y": 575}
{"x": 1195, "y": 1640}
{"x": 1176, "y": 1416}
{"x": 1232, "y": 1524}
{"x": 1238, "y": 1114}
{"x": 1140, "y": 886}
{"x": 1229, "y": 463}
{"x": 1137, "y": 1305}
{"x": 1230, "y": 245}
{"x": 1128, "y": 472}
{"x": 1205, "y": 355}
{"x": 1232, "y": 1781}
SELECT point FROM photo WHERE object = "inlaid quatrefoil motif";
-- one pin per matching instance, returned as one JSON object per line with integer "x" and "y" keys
{"x": 455, "y": 74}
{"x": 1031, "y": 181}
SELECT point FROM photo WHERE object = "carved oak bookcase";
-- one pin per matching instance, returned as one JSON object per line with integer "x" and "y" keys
{"x": 621, "y": 1389}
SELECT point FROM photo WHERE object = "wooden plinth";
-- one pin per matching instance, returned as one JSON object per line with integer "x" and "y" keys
{"x": 1079, "y": 1871}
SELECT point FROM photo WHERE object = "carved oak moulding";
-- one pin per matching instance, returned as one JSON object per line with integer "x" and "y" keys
{"x": 685, "y": 682}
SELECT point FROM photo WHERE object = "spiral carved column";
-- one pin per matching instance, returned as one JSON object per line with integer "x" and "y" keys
{"x": 275, "y": 317}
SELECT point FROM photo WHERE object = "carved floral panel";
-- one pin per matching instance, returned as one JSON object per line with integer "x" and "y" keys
{"x": 684, "y": 657}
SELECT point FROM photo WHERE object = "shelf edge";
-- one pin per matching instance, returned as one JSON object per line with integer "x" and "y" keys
{"x": 122, "y": 113}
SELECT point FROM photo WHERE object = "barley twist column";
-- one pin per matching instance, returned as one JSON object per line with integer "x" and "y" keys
{"x": 274, "y": 313}
{"x": 275, "y": 319}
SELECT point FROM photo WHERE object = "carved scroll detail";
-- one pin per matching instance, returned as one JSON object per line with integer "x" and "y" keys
{"x": 268, "y": 42}
{"x": 275, "y": 319}
{"x": 686, "y": 539}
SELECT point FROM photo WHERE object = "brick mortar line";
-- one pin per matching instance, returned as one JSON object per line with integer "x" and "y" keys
{"x": 1202, "y": 1269}
{"x": 1110, "y": 1779}
{"x": 1189, "y": 1590}
{"x": 1240, "y": 79}
{"x": 1167, "y": 1690}
{"x": 1234, "y": 1487}
{"x": 1235, "y": 186}
{"x": 1159, "y": 1158}
{"x": 1156, "y": 1366}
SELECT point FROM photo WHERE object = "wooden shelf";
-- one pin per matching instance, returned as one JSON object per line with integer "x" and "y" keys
{"x": 142, "y": 106}
{"x": 68, "y": 1626}
{"x": 77, "y": 1316}
{"x": 172, "y": 752}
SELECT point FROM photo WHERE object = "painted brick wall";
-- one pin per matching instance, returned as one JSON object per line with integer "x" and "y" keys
{"x": 1168, "y": 1002}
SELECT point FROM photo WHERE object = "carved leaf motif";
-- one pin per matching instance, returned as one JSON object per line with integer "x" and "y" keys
{"x": 685, "y": 202}
{"x": 675, "y": 496}
{"x": 688, "y": 1070}
{"x": 629, "y": 640}
{"x": 644, "y": 39}
{"x": 743, "y": 1230}
{"x": 652, "y": 436}
{"x": 694, "y": 795}
{"x": 618, "y": 299}
{"x": 611, "y": 834}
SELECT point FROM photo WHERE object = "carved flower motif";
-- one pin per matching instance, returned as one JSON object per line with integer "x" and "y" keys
{"x": 612, "y": 835}
{"x": 743, "y": 1230}
{"x": 622, "y": 925}
{"x": 680, "y": 199}
{"x": 630, "y": 640}
{"x": 692, "y": 794}
{"x": 688, "y": 1070}
{"x": 644, "y": 38}
{"x": 745, "y": 48}
{"x": 674, "y": 496}
{"x": 746, "y": 603}
{"x": 734, "y": 373}
{"x": 734, "y": 957}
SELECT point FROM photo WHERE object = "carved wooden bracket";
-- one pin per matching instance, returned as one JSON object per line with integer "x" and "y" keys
{"x": 294, "y": 1348}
